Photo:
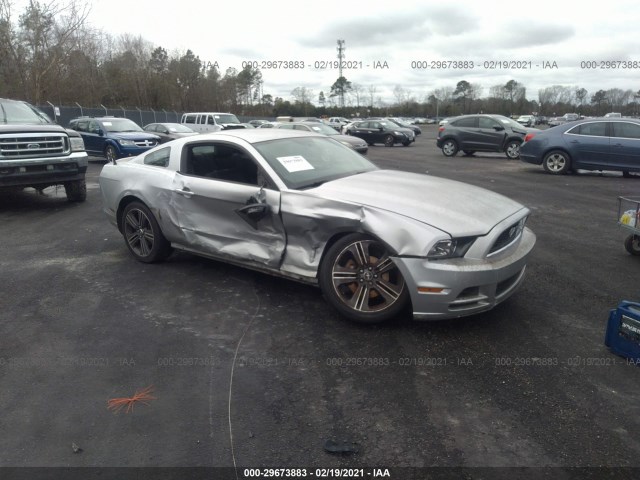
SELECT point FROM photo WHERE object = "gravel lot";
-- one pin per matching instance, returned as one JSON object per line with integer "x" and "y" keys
{"x": 255, "y": 371}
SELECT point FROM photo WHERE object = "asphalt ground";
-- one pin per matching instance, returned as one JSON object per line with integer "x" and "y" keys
{"x": 254, "y": 371}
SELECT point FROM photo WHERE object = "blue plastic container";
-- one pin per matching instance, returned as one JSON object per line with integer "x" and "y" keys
{"x": 623, "y": 331}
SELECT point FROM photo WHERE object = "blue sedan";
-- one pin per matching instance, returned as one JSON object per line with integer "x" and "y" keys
{"x": 590, "y": 144}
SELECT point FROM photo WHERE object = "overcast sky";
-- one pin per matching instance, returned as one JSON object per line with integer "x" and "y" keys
{"x": 397, "y": 33}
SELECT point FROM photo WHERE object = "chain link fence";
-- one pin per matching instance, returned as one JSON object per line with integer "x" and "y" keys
{"x": 63, "y": 115}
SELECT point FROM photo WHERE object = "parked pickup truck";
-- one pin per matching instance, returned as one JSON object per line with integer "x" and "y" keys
{"x": 35, "y": 152}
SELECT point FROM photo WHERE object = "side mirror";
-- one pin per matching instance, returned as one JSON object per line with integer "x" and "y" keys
{"x": 100, "y": 132}
{"x": 380, "y": 129}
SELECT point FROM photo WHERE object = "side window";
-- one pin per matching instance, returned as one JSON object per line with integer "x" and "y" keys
{"x": 159, "y": 158}
{"x": 468, "y": 122}
{"x": 286, "y": 126}
{"x": 202, "y": 119}
{"x": 626, "y": 130}
{"x": 151, "y": 128}
{"x": 93, "y": 127}
{"x": 189, "y": 119}
{"x": 304, "y": 128}
{"x": 80, "y": 126}
{"x": 210, "y": 120}
{"x": 484, "y": 122}
{"x": 221, "y": 162}
{"x": 595, "y": 129}
{"x": 374, "y": 125}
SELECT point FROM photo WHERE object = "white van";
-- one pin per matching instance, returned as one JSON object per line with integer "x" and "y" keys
{"x": 205, "y": 122}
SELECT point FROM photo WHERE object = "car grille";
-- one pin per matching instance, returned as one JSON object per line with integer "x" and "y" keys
{"x": 145, "y": 143}
{"x": 21, "y": 145}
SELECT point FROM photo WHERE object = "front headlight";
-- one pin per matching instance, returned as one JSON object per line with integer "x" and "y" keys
{"x": 77, "y": 144}
{"x": 127, "y": 143}
{"x": 450, "y": 248}
{"x": 399, "y": 133}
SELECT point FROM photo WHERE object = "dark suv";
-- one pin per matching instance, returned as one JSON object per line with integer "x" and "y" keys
{"x": 482, "y": 133}
{"x": 35, "y": 152}
{"x": 113, "y": 137}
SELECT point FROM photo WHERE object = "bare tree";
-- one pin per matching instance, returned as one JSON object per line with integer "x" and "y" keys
{"x": 372, "y": 90}
{"x": 44, "y": 39}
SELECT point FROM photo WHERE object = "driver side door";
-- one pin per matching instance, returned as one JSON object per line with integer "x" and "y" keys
{"x": 226, "y": 206}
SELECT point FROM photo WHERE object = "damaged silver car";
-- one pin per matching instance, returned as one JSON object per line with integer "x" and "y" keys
{"x": 305, "y": 207}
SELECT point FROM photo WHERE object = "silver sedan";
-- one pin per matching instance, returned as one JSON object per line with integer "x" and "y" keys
{"x": 305, "y": 207}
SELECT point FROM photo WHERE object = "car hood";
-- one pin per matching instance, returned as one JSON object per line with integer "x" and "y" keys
{"x": 457, "y": 208}
{"x": 29, "y": 128}
{"x": 133, "y": 136}
{"x": 348, "y": 139}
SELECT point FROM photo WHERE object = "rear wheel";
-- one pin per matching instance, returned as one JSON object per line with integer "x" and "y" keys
{"x": 449, "y": 148}
{"x": 389, "y": 141}
{"x": 557, "y": 162}
{"x": 76, "y": 191}
{"x": 142, "y": 234}
{"x": 632, "y": 244}
{"x": 359, "y": 279}
{"x": 512, "y": 150}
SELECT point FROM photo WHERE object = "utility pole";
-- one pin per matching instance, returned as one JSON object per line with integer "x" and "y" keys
{"x": 341, "y": 48}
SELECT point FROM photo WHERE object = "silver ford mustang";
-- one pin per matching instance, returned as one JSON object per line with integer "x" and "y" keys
{"x": 303, "y": 206}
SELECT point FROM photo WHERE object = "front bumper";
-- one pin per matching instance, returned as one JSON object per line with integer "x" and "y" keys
{"x": 469, "y": 286}
{"x": 43, "y": 172}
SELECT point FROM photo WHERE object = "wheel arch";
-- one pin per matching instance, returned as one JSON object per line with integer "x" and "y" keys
{"x": 339, "y": 235}
{"x": 126, "y": 200}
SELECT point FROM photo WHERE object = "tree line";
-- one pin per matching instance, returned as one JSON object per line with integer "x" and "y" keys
{"x": 48, "y": 52}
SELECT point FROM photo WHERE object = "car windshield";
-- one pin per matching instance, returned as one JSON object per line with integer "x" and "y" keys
{"x": 120, "y": 125}
{"x": 306, "y": 162}
{"x": 21, "y": 113}
{"x": 226, "y": 118}
{"x": 325, "y": 129}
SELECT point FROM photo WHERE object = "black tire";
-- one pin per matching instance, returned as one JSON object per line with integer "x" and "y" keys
{"x": 512, "y": 150}
{"x": 468, "y": 153}
{"x": 142, "y": 234}
{"x": 76, "y": 191}
{"x": 389, "y": 141}
{"x": 628, "y": 174}
{"x": 557, "y": 162}
{"x": 449, "y": 148}
{"x": 110, "y": 153}
{"x": 359, "y": 279}
{"x": 632, "y": 244}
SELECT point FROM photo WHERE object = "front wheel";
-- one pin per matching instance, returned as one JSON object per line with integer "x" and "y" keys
{"x": 632, "y": 244}
{"x": 76, "y": 191}
{"x": 358, "y": 277}
{"x": 142, "y": 234}
{"x": 389, "y": 141}
{"x": 449, "y": 148}
{"x": 111, "y": 153}
{"x": 512, "y": 150}
{"x": 556, "y": 162}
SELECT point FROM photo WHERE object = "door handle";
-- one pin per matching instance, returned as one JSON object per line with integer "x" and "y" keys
{"x": 184, "y": 192}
